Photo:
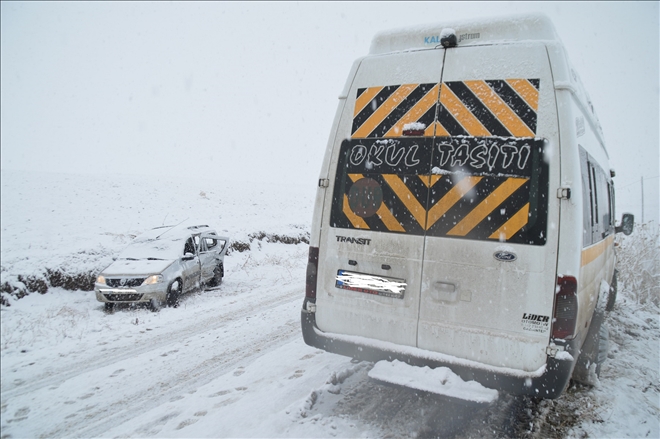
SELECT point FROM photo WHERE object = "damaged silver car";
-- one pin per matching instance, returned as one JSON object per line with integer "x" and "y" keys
{"x": 161, "y": 265}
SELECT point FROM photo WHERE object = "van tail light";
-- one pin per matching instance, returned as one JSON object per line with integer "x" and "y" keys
{"x": 566, "y": 307}
{"x": 312, "y": 273}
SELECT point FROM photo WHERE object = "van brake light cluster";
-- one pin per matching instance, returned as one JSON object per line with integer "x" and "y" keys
{"x": 566, "y": 307}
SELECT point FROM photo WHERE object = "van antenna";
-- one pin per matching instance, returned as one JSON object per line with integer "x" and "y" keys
{"x": 172, "y": 227}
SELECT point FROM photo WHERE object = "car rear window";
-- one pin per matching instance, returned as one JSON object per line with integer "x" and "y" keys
{"x": 483, "y": 188}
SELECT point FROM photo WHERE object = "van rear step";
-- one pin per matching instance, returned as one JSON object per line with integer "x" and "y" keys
{"x": 441, "y": 381}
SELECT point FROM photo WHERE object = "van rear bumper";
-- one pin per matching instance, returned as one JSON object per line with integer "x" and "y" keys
{"x": 548, "y": 382}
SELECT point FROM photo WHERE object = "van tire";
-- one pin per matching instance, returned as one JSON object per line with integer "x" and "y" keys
{"x": 593, "y": 353}
{"x": 611, "y": 297}
{"x": 173, "y": 293}
{"x": 604, "y": 345}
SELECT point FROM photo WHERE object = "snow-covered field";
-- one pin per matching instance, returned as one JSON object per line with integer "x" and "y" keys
{"x": 230, "y": 361}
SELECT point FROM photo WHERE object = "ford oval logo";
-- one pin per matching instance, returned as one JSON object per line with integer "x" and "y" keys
{"x": 505, "y": 256}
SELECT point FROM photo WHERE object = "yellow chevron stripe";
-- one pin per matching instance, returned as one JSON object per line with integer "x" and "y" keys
{"x": 384, "y": 110}
{"x": 429, "y": 180}
{"x": 406, "y": 197}
{"x": 456, "y": 108}
{"x": 392, "y": 224}
{"x": 499, "y": 108}
{"x": 440, "y": 131}
{"x": 526, "y": 91}
{"x": 451, "y": 198}
{"x": 483, "y": 209}
{"x": 365, "y": 98}
{"x": 422, "y": 106}
{"x": 513, "y": 225}
{"x": 355, "y": 177}
{"x": 356, "y": 221}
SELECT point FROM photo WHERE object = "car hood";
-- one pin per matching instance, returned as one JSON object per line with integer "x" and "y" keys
{"x": 130, "y": 267}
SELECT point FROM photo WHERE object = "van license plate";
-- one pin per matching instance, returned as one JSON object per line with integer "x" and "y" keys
{"x": 370, "y": 284}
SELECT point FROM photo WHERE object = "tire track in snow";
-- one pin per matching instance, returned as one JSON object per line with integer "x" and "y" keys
{"x": 98, "y": 420}
{"x": 157, "y": 341}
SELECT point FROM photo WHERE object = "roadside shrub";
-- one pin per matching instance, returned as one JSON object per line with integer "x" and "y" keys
{"x": 7, "y": 288}
{"x": 284, "y": 239}
{"x": 243, "y": 246}
{"x": 34, "y": 284}
{"x": 78, "y": 281}
{"x": 238, "y": 246}
{"x": 639, "y": 264}
{"x": 14, "y": 288}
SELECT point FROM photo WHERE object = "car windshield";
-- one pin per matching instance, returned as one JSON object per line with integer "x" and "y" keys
{"x": 153, "y": 249}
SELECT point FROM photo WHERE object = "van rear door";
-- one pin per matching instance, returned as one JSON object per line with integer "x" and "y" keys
{"x": 370, "y": 258}
{"x": 442, "y": 231}
{"x": 489, "y": 266}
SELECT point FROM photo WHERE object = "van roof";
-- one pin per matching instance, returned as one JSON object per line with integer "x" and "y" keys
{"x": 468, "y": 32}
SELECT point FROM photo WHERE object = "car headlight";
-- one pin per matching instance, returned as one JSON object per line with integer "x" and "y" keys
{"x": 100, "y": 280}
{"x": 155, "y": 279}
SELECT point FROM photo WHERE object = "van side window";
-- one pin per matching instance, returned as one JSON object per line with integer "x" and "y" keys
{"x": 587, "y": 203}
{"x": 612, "y": 207}
{"x": 604, "y": 203}
{"x": 597, "y": 193}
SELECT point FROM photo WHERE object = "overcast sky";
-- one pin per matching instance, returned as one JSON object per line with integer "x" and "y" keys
{"x": 249, "y": 90}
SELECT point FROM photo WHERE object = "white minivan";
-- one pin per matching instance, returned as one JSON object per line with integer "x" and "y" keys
{"x": 465, "y": 210}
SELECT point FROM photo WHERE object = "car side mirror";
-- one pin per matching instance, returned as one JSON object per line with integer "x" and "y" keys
{"x": 627, "y": 224}
{"x": 188, "y": 257}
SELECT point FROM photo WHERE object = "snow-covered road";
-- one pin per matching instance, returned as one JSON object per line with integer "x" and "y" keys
{"x": 137, "y": 373}
{"x": 230, "y": 361}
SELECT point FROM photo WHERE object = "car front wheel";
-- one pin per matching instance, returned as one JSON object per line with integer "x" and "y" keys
{"x": 174, "y": 292}
{"x": 218, "y": 273}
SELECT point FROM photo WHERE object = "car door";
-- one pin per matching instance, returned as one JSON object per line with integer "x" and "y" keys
{"x": 211, "y": 254}
{"x": 191, "y": 267}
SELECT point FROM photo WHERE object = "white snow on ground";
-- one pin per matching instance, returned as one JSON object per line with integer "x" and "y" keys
{"x": 626, "y": 403}
{"x": 229, "y": 361}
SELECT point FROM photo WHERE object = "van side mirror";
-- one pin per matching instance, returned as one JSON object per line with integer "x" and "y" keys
{"x": 627, "y": 224}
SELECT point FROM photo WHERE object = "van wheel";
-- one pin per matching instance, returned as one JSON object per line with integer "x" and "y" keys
{"x": 611, "y": 297}
{"x": 173, "y": 293}
{"x": 593, "y": 353}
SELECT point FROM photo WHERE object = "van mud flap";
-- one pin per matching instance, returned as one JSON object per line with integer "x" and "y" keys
{"x": 548, "y": 382}
{"x": 441, "y": 381}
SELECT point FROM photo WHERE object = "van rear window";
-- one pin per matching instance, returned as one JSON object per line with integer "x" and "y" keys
{"x": 483, "y": 188}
